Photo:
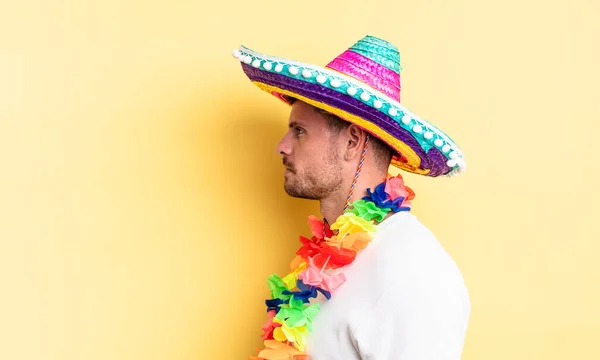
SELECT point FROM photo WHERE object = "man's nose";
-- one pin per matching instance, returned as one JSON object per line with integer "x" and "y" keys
{"x": 284, "y": 146}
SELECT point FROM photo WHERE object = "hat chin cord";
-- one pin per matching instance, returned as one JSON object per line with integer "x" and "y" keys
{"x": 356, "y": 175}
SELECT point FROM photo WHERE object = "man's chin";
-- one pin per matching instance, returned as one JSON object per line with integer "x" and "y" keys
{"x": 295, "y": 192}
{"x": 290, "y": 189}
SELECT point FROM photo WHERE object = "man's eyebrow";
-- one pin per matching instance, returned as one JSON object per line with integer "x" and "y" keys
{"x": 294, "y": 123}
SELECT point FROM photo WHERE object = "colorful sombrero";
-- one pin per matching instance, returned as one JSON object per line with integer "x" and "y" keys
{"x": 361, "y": 86}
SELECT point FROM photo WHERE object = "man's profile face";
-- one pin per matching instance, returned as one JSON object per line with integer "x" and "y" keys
{"x": 311, "y": 154}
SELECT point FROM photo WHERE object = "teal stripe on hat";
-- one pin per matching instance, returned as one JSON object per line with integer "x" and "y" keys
{"x": 380, "y": 51}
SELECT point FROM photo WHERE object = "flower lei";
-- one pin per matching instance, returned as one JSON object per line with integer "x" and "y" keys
{"x": 290, "y": 314}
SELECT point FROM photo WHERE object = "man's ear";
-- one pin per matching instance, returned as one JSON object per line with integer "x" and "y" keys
{"x": 355, "y": 141}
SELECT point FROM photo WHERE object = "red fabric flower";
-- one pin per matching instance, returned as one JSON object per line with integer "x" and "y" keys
{"x": 269, "y": 326}
{"x": 313, "y": 246}
{"x": 310, "y": 247}
{"x": 332, "y": 258}
{"x": 316, "y": 227}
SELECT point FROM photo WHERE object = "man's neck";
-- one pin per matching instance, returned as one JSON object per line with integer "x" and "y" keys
{"x": 333, "y": 206}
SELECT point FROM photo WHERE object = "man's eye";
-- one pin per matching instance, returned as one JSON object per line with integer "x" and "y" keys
{"x": 298, "y": 130}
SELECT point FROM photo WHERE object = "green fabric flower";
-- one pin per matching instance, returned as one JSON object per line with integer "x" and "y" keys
{"x": 295, "y": 313}
{"x": 277, "y": 287}
{"x": 368, "y": 210}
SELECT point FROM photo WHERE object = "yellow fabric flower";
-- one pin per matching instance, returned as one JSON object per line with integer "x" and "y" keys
{"x": 296, "y": 335}
{"x": 290, "y": 279}
{"x": 350, "y": 223}
{"x": 356, "y": 241}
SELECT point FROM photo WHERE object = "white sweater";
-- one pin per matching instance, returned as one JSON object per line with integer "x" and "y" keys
{"x": 404, "y": 299}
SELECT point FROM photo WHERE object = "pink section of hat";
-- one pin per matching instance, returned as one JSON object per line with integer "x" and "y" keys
{"x": 368, "y": 71}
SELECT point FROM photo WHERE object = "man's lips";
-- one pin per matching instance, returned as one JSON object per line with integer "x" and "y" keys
{"x": 288, "y": 166}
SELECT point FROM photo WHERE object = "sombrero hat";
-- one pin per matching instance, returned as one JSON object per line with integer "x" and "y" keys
{"x": 361, "y": 86}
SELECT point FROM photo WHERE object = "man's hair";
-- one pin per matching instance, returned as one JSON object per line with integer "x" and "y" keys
{"x": 381, "y": 151}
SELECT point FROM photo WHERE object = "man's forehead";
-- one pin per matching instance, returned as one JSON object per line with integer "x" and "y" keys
{"x": 305, "y": 114}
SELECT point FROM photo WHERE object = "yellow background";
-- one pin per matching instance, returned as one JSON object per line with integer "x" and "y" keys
{"x": 141, "y": 201}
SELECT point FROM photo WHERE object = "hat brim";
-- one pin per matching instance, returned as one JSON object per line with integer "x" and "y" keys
{"x": 420, "y": 147}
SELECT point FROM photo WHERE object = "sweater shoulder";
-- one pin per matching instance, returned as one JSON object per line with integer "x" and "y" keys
{"x": 410, "y": 259}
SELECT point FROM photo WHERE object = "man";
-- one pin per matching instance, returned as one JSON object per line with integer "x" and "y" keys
{"x": 375, "y": 284}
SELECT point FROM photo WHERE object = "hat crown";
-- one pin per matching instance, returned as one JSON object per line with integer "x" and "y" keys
{"x": 373, "y": 61}
{"x": 380, "y": 51}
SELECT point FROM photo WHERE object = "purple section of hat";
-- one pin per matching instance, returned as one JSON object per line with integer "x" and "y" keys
{"x": 436, "y": 161}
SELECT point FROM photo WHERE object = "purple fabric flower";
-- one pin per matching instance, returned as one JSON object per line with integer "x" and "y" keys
{"x": 305, "y": 294}
{"x": 273, "y": 304}
{"x": 382, "y": 199}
